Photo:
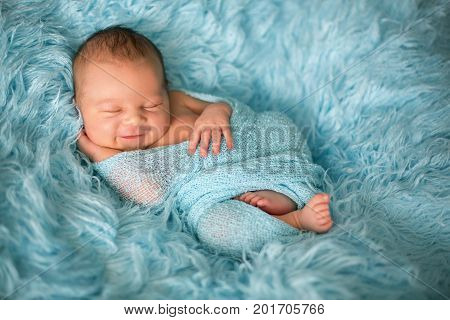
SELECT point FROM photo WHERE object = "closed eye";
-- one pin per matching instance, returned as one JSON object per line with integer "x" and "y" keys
{"x": 111, "y": 111}
{"x": 152, "y": 107}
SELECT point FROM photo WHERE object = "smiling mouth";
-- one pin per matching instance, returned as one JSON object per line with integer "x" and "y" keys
{"x": 132, "y": 137}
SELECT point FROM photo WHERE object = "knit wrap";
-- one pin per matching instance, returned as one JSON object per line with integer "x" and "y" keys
{"x": 270, "y": 153}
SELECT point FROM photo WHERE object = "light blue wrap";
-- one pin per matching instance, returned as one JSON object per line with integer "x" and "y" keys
{"x": 269, "y": 153}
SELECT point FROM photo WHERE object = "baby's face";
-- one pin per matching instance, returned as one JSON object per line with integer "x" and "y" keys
{"x": 124, "y": 106}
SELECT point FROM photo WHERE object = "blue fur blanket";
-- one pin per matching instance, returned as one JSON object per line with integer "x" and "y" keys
{"x": 367, "y": 81}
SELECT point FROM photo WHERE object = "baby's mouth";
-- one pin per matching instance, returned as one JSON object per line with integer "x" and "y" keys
{"x": 132, "y": 137}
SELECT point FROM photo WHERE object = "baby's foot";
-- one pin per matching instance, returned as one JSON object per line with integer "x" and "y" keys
{"x": 269, "y": 201}
{"x": 314, "y": 216}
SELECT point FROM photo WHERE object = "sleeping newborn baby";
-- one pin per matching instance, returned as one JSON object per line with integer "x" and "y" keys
{"x": 232, "y": 184}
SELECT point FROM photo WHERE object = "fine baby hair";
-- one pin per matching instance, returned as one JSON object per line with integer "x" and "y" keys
{"x": 115, "y": 43}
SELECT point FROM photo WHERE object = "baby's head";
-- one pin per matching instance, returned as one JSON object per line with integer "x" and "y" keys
{"x": 120, "y": 88}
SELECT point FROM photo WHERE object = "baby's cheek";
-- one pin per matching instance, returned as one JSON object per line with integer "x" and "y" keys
{"x": 109, "y": 131}
{"x": 103, "y": 133}
{"x": 162, "y": 122}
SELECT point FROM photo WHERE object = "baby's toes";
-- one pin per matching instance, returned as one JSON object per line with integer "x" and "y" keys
{"x": 255, "y": 200}
{"x": 325, "y": 227}
{"x": 246, "y": 195}
{"x": 262, "y": 203}
{"x": 319, "y": 198}
{"x": 323, "y": 207}
{"x": 323, "y": 216}
{"x": 324, "y": 220}
{"x": 249, "y": 198}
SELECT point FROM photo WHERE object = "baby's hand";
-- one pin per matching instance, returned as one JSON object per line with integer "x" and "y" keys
{"x": 213, "y": 121}
{"x": 94, "y": 151}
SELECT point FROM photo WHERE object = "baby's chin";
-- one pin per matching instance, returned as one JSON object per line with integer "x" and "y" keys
{"x": 132, "y": 148}
{"x": 131, "y": 145}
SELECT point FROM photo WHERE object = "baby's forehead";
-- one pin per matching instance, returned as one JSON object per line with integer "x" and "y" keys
{"x": 86, "y": 76}
{"x": 107, "y": 65}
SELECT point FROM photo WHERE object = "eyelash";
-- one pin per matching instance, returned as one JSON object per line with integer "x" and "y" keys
{"x": 152, "y": 107}
{"x": 116, "y": 111}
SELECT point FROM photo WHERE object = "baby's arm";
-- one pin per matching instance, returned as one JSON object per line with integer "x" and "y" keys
{"x": 213, "y": 121}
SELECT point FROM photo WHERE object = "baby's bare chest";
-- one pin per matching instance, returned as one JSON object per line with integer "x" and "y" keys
{"x": 181, "y": 126}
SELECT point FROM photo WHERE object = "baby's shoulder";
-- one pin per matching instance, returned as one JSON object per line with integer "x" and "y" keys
{"x": 176, "y": 97}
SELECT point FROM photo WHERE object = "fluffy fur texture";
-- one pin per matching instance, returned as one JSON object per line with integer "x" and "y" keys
{"x": 380, "y": 128}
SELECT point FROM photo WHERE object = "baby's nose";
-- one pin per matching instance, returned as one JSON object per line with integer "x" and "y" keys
{"x": 134, "y": 118}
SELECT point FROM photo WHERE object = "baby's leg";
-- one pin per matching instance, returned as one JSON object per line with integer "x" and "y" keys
{"x": 272, "y": 202}
{"x": 314, "y": 216}
{"x": 231, "y": 226}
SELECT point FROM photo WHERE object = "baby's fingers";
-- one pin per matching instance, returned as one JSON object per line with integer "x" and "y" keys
{"x": 204, "y": 144}
{"x": 227, "y": 134}
{"x": 193, "y": 142}
{"x": 216, "y": 137}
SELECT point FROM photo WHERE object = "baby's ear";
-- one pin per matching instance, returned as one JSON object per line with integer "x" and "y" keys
{"x": 75, "y": 103}
{"x": 79, "y": 111}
